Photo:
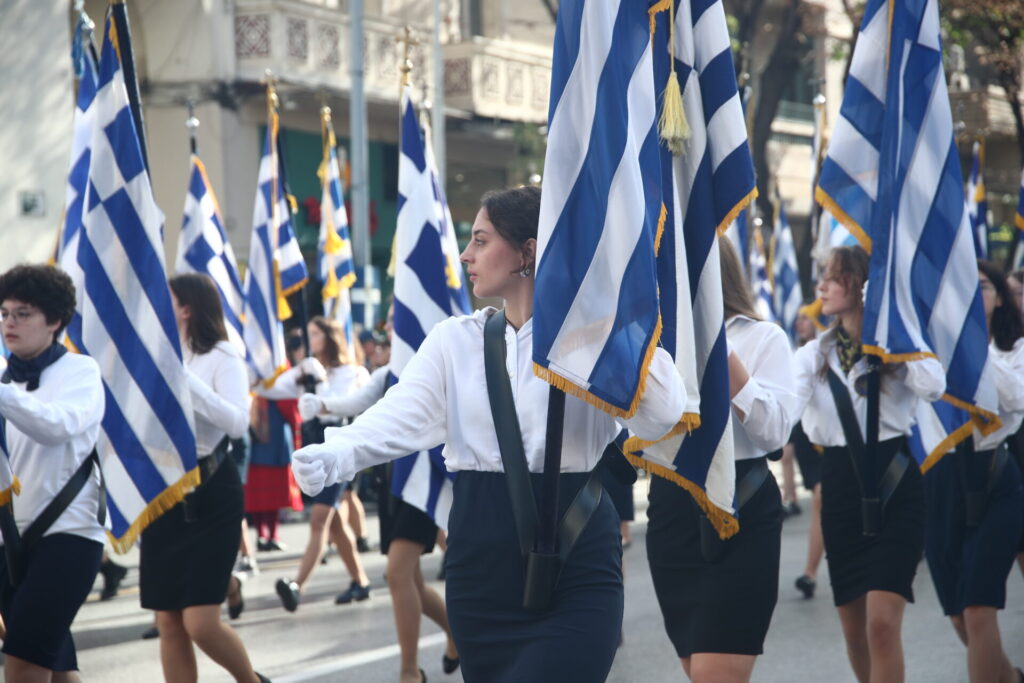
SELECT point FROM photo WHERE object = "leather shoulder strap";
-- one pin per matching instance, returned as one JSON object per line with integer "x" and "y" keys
{"x": 851, "y": 430}
{"x": 510, "y": 438}
{"x": 56, "y": 507}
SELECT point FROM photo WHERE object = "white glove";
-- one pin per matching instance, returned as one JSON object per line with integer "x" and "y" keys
{"x": 312, "y": 367}
{"x": 310, "y": 406}
{"x": 316, "y": 467}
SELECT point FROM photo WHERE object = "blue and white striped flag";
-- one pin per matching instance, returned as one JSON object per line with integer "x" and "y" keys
{"x": 335, "y": 265}
{"x": 428, "y": 288}
{"x": 1018, "y": 256}
{"x": 9, "y": 484}
{"x": 147, "y": 443}
{"x": 738, "y": 233}
{"x": 785, "y": 275}
{"x": 977, "y": 200}
{"x": 923, "y": 296}
{"x": 84, "y": 61}
{"x": 203, "y": 247}
{"x": 276, "y": 268}
{"x": 760, "y": 283}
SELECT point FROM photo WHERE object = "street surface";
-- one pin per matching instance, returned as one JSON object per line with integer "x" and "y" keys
{"x": 324, "y": 642}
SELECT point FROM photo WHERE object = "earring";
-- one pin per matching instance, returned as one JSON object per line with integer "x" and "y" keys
{"x": 525, "y": 272}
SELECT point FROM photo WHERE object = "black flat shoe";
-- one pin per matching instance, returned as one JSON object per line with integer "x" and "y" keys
{"x": 235, "y": 611}
{"x": 151, "y": 632}
{"x": 113, "y": 574}
{"x": 806, "y": 585}
{"x": 354, "y": 592}
{"x": 423, "y": 676}
{"x": 449, "y": 665}
{"x": 363, "y": 544}
{"x": 288, "y": 591}
{"x": 263, "y": 679}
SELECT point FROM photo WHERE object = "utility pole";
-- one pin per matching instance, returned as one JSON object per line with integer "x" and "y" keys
{"x": 360, "y": 189}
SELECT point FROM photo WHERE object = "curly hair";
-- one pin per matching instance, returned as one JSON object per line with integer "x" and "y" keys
{"x": 48, "y": 288}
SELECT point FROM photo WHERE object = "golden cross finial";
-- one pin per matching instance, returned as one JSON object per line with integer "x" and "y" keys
{"x": 270, "y": 80}
{"x": 408, "y": 41}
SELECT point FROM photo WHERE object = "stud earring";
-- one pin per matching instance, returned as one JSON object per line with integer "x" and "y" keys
{"x": 525, "y": 272}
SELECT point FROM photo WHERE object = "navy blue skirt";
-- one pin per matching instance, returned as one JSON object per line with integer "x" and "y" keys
{"x": 498, "y": 640}
{"x": 970, "y": 565}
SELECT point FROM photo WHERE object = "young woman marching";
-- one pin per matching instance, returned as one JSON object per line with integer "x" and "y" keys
{"x": 975, "y": 501}
{"x": 189, "y": 551}
{"x": 443, "y": 398}
{"x": 871, "y": 575}
{"x": 717, "y": 608}
{"x": 411, "y": 534}
{"x": 334, "y": 375}
{"x": 52, "y": 402}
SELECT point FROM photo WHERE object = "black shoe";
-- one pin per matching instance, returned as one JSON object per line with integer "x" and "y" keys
{"x": 806, "y": 585}
{"x": 150, "y": 633}
{"x": 442, "y": 571}
{"x": 235, "y": 611}
{"x": 423, "y": 676}
{"x": 354, "y": 592}
{"x": 792, "y": 510}
{"x": 113, "y": 574}
{"x": 363, "y": 544}
{"x": 449, "y": 665}
{"x": 288, "y": 591}
{"x": 263, "y": 679}
{"x": 261, "y": 545}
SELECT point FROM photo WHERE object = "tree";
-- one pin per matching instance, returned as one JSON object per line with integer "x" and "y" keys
{"x": 994, "y": 31}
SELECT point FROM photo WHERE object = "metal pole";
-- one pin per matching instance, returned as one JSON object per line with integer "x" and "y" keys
{"x": 437, "y": 114}
{"x": 360, "y": 158}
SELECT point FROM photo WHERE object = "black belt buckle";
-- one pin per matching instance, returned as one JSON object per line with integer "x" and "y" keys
{"x": 871, "y": 515}
{"x": 542, "y": 570}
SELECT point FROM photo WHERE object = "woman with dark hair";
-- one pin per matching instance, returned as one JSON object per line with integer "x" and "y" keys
{"x": 335, "y": 374}
{"x": 188, "y": 552}
{"x": 871, "y": 575}
{"x": 975, "y": 500}
{"x": 52, "y": 402}
{"x": 443, "y": 398}
{"x": 717, "y": 597}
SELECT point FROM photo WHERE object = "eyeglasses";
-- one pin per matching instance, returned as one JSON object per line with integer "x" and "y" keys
{"x": 17, "y": 317}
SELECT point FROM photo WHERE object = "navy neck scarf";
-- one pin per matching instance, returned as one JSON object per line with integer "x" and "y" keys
{"x": 29, "y": 371}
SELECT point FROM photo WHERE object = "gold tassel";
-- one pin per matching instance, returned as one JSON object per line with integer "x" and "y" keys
{"x": 672, "y": 126}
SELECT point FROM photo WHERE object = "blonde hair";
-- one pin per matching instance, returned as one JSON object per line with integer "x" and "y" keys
{"x": 736, "y": 296}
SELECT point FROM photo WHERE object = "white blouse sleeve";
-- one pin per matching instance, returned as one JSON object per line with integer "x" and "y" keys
{"x": 805, "y": 372}
{"x": 285, "y": 386}
{"x": 663, "y": 402}
{"x": 926, "y": 378}
{"x": 225, "y": 403}
{"x": 1008, "y": 372}
{"x": 359, "y": 400}
{"x": 412, "y": 415}
{"x": 78, "y": 409}
{"x": 769, "y": 400}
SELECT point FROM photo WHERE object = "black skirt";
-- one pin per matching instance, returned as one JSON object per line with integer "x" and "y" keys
{"x": 188, "y": 563}
{"x": 411, "y": 524}
{"x": 498, "y": 640}
{"x": 808, "y": 459}
{"x": 621, "y": 494}
{"x": 885, "y": 562}
{"x": 724, "y": 606}
{"x": 970, "y": 565}
{"x": 38, "y": 612}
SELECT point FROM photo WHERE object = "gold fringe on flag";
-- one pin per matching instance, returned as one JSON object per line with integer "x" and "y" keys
{"x": 832, "y": 206}
{"x": 14, "y": 488}
{"x": 167, "y": 499}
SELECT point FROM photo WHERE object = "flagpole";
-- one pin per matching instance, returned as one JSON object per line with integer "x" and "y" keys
{"x": 192, "y": 124}
{"x": 119, "y": 13}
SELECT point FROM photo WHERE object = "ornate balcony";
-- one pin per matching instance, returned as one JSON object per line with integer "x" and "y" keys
{"x": 498, "y": 79}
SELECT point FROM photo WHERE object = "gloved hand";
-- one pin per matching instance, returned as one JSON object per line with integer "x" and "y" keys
{"x": 310, "y": 406}
{"x": 312, "y": 367}
{"x": 316, "y": 467}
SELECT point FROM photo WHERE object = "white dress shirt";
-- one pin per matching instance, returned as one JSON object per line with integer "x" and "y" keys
{"x": 341, "y": 381}
{"x": 219, "y": 384}
{"x": 442, "y": 398}
{"x": 50, "y": 432}
{"x": 354, "y": 403}
{"x": 900, "y": 390}
{"x": 1008, "y": 374}
{"x": 765, "y": 409}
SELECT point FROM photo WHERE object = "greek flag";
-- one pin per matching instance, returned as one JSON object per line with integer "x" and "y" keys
{"x": 923, "y": 297}
{"x": 9, "y": 484}
{"x": 84, "y": 62}
{"x": 429, "y": 287}
{"x": 977, "y": 203}
{"x": 761, "y": 285}
{"x": 203, "y": 247}
{"x": 738, "y": 233}
{"x": 336, "y": 268}
{"x": 147, "y": 443}
{"x": 1018, "y": 256}
{"x": 276, "y": 268}
{"x": 788, "y": 297}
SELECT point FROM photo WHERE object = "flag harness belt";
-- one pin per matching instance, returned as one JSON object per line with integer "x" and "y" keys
{"x": 544, "y": 550}
{"x": 871, "y": 507}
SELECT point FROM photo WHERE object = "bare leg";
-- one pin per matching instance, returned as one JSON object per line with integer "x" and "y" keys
{"x": 19, "y": 670}
{"x": 986, "y": 660}
{"x": 624, "y": 532}
{"x": 345, "y": 542}
{"x": 354, "y": 513}
{"x": 788, "y": 474}
{"x": 66, "y": 677}
{"x": 434, "y": 609}
{"x": 176, "y": 654}
{"x": 218, "y": 640}
{"x": 245, "y": 546}
{"x": 319, "y": 519}
{"x": 403, "y": 561}
{"x": 711, "y": 667}
{"x": 884, "y": 626}
{"x": 958, "y": 626}
{"x": 853, "y": 617}
{"x": 815, "y": 541}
